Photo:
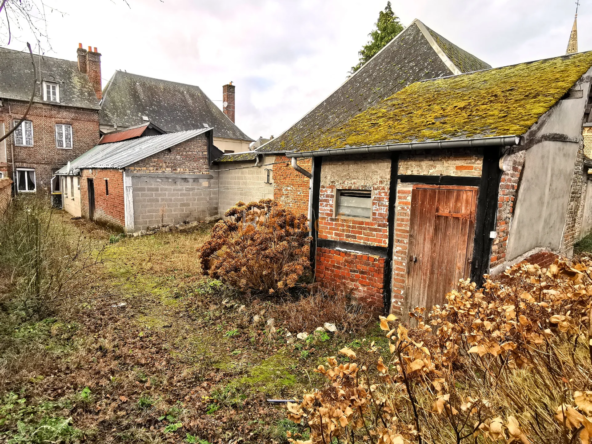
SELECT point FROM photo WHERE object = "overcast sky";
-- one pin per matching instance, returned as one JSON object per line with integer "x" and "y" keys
{"x": 286, "y": 56}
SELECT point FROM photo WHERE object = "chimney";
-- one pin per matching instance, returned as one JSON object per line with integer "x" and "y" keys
{"x": 89, "y": 63}
{"x": 81, "y": 52}
{"x": 228, "y": 98}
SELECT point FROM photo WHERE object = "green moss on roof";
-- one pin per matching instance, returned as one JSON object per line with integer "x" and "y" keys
{"x": 497, "y": 102}
{"x": 237, "y": 157}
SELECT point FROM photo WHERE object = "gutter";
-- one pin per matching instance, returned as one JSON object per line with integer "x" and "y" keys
{"x": 294, "y": 164}
{"x": 487, "y": 142}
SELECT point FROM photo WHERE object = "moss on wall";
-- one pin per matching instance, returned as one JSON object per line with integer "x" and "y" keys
{"x": 497, "y": 102}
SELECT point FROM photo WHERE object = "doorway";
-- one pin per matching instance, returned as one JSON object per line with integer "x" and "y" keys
{"x": 91, "y": 199}
{"x": 441, "y": 237}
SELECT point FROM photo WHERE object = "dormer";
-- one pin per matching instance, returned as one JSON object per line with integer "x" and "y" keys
{"x": 51, "y": 91}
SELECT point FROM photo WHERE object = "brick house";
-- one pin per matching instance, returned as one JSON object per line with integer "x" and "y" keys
{"x": 132, "y": 100}
{"x": 451, "y": 179}
{"x": 416, "y": 54}
{"x": 62, "y": 123}
{"x": 144, "y": 182}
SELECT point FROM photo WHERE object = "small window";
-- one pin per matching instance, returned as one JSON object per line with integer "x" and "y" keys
{"x": 268, "y": 180}
{"x": 354, "y": 203}
{"x": 106, "y": 187}
{"x": 25, "y": 180}
{"x": 51, "y": 92}
{"x": 23, "y": 136}
{"x": 63, "y": 134}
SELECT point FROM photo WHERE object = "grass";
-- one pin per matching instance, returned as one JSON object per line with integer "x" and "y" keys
{"x": 146, "y": 347}
{"x": 584, "y": 245}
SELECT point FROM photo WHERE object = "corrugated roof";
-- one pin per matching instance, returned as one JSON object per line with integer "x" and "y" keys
{"x": 497, "y": 102}
{"x": 120, "y": 136}
{"x": 16, "y": 78}
{"x": 172, "y": 106}
{"x": 413, "y": 55}
{"x": 122, "y": 154}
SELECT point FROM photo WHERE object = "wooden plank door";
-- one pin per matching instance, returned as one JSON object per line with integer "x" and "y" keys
{"x": 442, "y": 231}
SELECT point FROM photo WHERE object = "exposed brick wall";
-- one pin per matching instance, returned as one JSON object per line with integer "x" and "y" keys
{"x": 5, "y": 194}
{"x": 357, "y": 230}
{"x": 506, "y": 204}
{"x": 189, "y": 157}
{"x": 44, "y": 156}
{"x": 108, "y": 209}
{"x": 291, "y": 189}
{"x": 575, "y": 208}
{"x": 441, "y": 163}
{"x": 544, "y": 259}
{"x": 401, "y": 246}
{"x": 360, "y": 274}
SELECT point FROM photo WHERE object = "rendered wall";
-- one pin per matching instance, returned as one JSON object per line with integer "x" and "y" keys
{"x": 587, "y": 216}
{"x": 71, "y": 201}
{"x": 172, "y": 199}
{"x": 242, "y": 181}
{"x": 238, "y": 146}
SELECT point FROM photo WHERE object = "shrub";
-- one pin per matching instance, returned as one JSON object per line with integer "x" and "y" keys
{"x": 259, "y": 248}
{"x": 505, "y": 363}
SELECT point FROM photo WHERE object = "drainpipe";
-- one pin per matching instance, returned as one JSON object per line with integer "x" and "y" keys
{"x": 301, "y": 170}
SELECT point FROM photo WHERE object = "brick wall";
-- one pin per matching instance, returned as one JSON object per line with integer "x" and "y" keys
{"x": 44, "y": 157}
{"x": 189, "y": 157}
{"x": 171, "y": 199}
{"x": 5, "y": 194}
{"x": 291, "y": 189}
{"x": 241, "y": 181}
{"x": 360, "y": 274}
{"x": 506, "y": 204}
{"x": 401, "y": 246}
{"x": 441, "y": 163}
{"x": 575, "y": 209}
{"x": 109, "y": 209}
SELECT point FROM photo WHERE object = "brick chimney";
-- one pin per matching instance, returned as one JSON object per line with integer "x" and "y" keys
{"x": 228, "y": 98}
{"x": 89, "y": 63}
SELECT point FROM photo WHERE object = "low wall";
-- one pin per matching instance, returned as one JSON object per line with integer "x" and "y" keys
{"x": 172, "y": 199}
{"x": 5, "y": 194}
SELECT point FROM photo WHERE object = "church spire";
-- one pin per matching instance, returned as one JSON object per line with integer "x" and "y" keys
{"x": 572, "y": 46}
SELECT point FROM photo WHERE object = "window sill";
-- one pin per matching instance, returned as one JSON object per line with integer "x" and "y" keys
{"x": 24, "y": 146}
{"x": 60, "y": 148}
{"x": 361, "y": 219}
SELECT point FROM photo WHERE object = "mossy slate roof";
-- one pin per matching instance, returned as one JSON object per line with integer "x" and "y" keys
{"x": 408, "y": 58}
{"x": 237, "y": 157}
{"x": 169, "y": 105}
{"x": 16, "y": 79}
{"x": 504, "y": 101}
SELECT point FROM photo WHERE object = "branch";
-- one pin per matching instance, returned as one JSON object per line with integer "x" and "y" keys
{"x": 17, "y": 126}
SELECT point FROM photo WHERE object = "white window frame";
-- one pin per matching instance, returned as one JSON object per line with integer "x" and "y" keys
{"x": 18, "y": 183}
{"x": 57, "y": 92}
{"x": 23, "y": 133}
{"x": 65, "y": 128}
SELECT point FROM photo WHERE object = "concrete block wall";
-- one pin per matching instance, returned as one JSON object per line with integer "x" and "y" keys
{"x": 173, "y": 198}
{"x": 242, "y": 181}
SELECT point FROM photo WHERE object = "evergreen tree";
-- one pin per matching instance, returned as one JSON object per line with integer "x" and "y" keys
{"x": 387, "y": 28}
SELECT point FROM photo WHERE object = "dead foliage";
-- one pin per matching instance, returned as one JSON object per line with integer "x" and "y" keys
{"x": 258, "y": 248}
{"x": 506, "y": 363}
{"x": 320, "y": 307}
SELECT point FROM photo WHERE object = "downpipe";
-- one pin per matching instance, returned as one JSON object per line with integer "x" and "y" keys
{"x": 294, "y": 164}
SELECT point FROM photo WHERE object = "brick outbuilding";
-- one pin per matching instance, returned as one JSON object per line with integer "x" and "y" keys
{"x": 146, "y": 182}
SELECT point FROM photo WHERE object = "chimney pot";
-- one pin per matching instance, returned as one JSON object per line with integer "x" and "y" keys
{"x": 96, "y": 49}
{"x": 80, "y": 45}
{"x": 90, "y": 49}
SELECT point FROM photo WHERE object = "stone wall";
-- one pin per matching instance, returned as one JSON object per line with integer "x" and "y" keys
{"x": 242, "y": 181}
{"x": 44, "y": 156}
{"x": 173, "y": 199}
{"x": 291, "y": 189}
{"x": 109, "y": 208}
{"x": 5, "y": 194}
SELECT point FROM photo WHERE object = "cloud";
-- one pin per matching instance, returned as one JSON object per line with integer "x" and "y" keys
{"x": 285, "y": 57}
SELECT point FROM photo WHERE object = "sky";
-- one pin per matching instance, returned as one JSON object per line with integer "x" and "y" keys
{"x": 287, "y": 56}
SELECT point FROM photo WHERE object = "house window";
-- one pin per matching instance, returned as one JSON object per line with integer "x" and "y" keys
{"x": 51, "y": 92}
{"x": 25, "y": 180}
{"x": 23, "y": 136}
{"x": 354, "y": 203}
{"x": 106, "y": 187}
{"x": 63, "y": 135}
{"x": 268, "y": 178}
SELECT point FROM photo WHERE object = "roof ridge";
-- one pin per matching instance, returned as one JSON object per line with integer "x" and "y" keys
{"x": 25, "y": 53}
{"x": 159, "y": 80}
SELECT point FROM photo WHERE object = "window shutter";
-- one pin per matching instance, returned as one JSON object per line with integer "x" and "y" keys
{"x": 60, "y": 136}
